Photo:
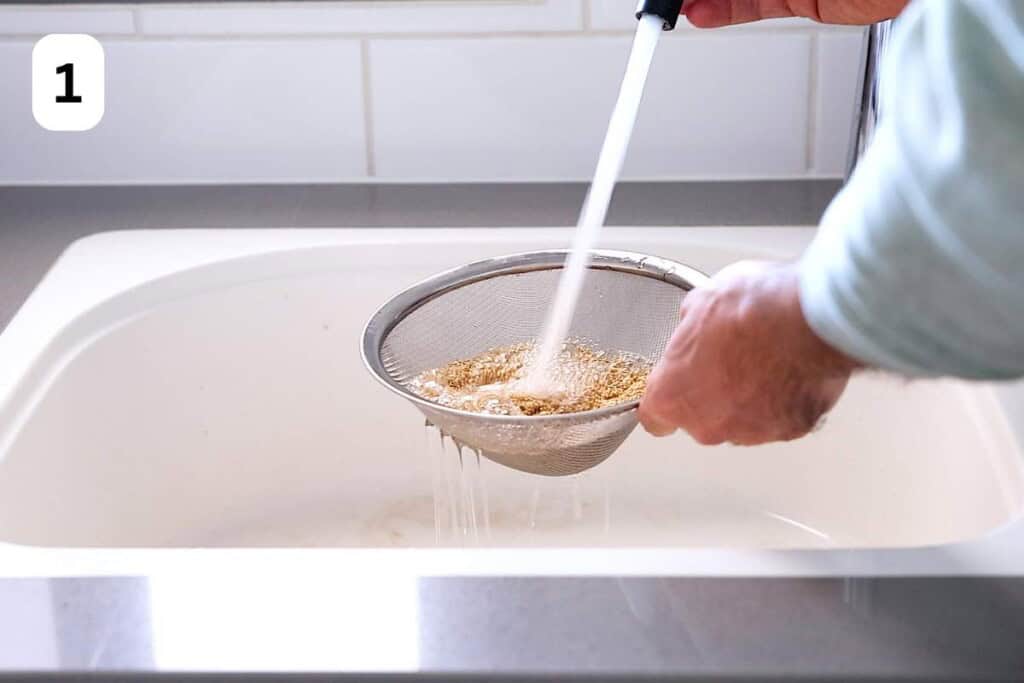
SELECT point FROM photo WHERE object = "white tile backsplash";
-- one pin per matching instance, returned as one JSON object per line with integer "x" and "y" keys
{"x": 208, "y": 111}
{"x": 365, "y": 16}
{"x": 513, "y": 108}
{"x": 460, "y": 90}
{"x": 745, "y": 118}
{"x": 37, "y": 20}
{"x": 529, "y": 108}
{"x": 838, "y": 68}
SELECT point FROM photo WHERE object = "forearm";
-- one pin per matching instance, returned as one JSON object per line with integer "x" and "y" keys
{"x": 919, "y": 263}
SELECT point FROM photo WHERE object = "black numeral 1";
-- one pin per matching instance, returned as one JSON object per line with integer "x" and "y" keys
{"x": 69, "y": 84}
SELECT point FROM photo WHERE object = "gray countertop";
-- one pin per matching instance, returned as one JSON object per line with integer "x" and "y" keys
{"x": 692, "y": 629}
{"x": 671, "y": 628}
{"x": 37, "y": 223}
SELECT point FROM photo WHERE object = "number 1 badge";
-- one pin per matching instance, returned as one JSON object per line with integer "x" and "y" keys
{"x": 68, "y": 82}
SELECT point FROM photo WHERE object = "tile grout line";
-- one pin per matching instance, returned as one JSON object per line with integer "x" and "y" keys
{"x": 368, "y": 131}
{"x": 585, "y": 15}
{"x": 137, "y": 21}
{"x": 811, "y": 161}
{"x": 409, "y": 35}
{"x": 315, "y": 179}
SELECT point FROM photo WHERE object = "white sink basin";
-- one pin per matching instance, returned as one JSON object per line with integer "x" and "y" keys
{"x": 204, "y": 389}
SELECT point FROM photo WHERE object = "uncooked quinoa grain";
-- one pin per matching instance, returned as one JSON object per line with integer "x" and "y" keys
{"x": 585, "y": 379}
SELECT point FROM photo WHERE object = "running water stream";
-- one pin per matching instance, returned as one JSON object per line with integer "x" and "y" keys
{"x": 459, "y": 481}
{"x": 595, "y": 207}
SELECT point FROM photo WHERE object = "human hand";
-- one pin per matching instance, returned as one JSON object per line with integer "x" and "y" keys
{"x": 743, "y": 365}
{"x": 715, "y": 13}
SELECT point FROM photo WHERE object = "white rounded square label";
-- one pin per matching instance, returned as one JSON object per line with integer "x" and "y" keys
{"x": 68, "y": 81}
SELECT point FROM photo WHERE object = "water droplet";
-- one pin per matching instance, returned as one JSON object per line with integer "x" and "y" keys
{"x": 577, "y": 502}
{"x": 534, "y": 502}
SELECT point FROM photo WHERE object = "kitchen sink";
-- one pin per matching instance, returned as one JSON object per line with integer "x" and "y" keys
{"x": 204, "y": 389}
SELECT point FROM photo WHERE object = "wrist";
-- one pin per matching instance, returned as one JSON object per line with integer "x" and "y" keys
{"x": 826, "y": 358}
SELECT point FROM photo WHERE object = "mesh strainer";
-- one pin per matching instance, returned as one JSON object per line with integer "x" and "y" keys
{"x": 630, "y": 303}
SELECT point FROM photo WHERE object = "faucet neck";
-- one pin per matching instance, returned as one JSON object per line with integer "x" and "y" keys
{"x": 876, "y": 40}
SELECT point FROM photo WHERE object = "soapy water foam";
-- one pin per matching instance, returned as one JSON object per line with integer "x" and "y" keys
{"x": 595, "y": 207}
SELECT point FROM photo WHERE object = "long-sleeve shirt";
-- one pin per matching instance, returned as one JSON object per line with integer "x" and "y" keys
{"x": 918, "y": 265}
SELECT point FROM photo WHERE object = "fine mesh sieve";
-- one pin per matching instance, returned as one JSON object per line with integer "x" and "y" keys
{"x": 630, "y": 303}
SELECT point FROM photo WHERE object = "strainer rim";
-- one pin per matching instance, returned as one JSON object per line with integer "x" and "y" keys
{"x": 403, "y": 304}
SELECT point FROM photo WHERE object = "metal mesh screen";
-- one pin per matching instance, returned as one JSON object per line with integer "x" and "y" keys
{"x": 617, "y": 311}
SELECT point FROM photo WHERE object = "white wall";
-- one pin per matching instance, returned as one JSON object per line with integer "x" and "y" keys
{"x": 424, "y": 91}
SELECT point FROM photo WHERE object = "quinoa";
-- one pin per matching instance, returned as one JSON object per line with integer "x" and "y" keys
{"x": 492, "y": 382}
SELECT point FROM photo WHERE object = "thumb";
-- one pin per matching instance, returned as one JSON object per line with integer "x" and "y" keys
{"x": 652, "y": 422}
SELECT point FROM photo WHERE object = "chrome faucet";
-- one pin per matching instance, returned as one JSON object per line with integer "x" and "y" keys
{"x": 876, "y": 40}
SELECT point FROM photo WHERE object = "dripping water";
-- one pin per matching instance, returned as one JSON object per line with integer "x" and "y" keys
{"x": 577, "y": 502}
{"x": 462, "y": 506}
{"x": 482, "y": 481}
{"x": 467, "y": 486}
{"x": 435, "y": 448}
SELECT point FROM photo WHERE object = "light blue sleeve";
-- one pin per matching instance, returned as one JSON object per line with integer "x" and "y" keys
{"x": 918, "y": 266}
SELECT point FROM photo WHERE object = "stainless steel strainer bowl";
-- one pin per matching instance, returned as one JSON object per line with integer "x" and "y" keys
{"x": 630, "y": 303}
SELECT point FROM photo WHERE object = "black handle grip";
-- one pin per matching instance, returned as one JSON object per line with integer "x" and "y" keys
{"x": 668, "y": 10}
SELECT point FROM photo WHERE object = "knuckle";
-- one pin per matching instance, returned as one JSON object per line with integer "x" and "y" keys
{"x": 706, "y": 436}
{"x": 800, "y": 427}
{"x": 695, "y": 296}
{"x": 647, "y": 415}
{"x": 810, "y": 415}
{"x": 657, "y": 398}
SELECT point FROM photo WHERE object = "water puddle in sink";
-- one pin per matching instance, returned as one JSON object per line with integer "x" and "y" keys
{"x": 458, "y": 499}
{"x": 543, "y": 511}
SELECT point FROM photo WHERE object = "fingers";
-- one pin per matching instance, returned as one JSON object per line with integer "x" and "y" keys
{"x": 663, "y": 408}
{"x": 655, "y": 425}
{"x": 745, "y": 268}
{"x": 656, "y": 407}
{"x": 716, "y": 13}
{"x": 662, "y": 414}
{"x": 740, "y": 367}
{"x": 666, "y": 408}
